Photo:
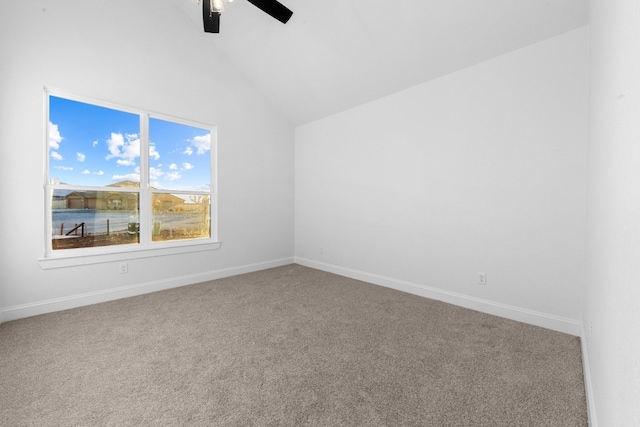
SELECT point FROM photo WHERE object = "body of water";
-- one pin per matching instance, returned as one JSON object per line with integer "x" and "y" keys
{"x": 96, "y": 221}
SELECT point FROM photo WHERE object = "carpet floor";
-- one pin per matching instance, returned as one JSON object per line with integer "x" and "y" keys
{"x": 289, "y": 346}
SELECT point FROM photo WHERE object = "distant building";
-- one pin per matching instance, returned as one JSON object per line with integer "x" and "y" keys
{"x": 113, "y": 200}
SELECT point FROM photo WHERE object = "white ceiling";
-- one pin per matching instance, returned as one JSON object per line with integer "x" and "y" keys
{"x": 336, "y": 54}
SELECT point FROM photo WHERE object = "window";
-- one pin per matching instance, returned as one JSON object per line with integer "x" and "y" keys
{"x": 120, "y": 180}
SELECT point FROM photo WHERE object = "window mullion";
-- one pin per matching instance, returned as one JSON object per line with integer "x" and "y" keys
{"x": 103, "y": 184}
{"x": 145, "y": 186}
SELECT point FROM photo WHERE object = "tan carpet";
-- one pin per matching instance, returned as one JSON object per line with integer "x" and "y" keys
{"x": 289, "y": 346}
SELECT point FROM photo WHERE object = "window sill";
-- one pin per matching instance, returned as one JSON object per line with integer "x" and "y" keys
{"x": 68, "y": 259}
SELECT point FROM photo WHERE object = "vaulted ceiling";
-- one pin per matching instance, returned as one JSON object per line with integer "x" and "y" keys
{"x": 336, "y": 54}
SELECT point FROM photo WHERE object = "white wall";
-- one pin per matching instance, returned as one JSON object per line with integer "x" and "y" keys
{"x": 612, "y": 293}
{"x": 145, "y": 54}
{"x": 482, "y": 170}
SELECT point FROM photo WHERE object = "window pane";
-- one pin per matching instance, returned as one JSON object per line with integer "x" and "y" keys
{"x": 84, "y": 219}
{"x": 101, "y": 197}
{"x": 92, "y": 145}
{"x": 180, "y": 216}
{"x": 179, "y": 156}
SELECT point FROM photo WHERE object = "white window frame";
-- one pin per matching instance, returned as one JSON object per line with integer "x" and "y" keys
{"x": 145, "y": 248}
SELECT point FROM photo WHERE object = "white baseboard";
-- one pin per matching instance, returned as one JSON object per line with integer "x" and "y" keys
{"x": 549, "y": 321}
{"x": 588, "y": 385}
{"x": 73, "y": 301}
{"x": 556, "y": 323}
{"x": 552, "y": 322}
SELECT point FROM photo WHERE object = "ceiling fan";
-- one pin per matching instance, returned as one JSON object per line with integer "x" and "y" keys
{"x": 212, "y": 9}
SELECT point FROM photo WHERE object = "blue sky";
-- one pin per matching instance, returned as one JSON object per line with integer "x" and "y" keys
{"x": 97, "y": 146}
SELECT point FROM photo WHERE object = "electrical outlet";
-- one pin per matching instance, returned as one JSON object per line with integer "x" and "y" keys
{"x": 482, "y": 278}
{"x": 124, "y": 268}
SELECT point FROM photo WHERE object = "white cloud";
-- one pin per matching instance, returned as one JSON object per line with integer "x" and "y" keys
{"x": 127, "y": 177}
{"x": 153, "y": 153}
{"x": 187, "y": 166}
{"x": 95, "y": 143}
{"x": 173, "y": 166}
{"x": 155, "y": 173}
{"x": 88, "y": 172}
{"x": 125, "y": 162}
{"x": 202, "y": 143}
{"x": 54, "y": 136}
{"x": 188, "y": 151}
{"x": 172, "y": 176}
{"x": 114, "y": 144}
{"x": 126, "y": 150}
{"x": 56, "y": 155}
{"x": 64, "y": 168}
{"x": 80, "y": 157}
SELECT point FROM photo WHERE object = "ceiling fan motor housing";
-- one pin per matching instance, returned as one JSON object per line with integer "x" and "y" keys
{"x": 211, "y": 12}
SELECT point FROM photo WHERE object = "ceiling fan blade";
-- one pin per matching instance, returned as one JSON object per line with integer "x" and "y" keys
{"x": 210, "y": 19}
{"x": 273, "y": 8}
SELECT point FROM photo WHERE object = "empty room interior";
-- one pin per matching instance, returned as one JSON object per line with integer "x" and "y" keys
{"x": 374, "y": 169}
